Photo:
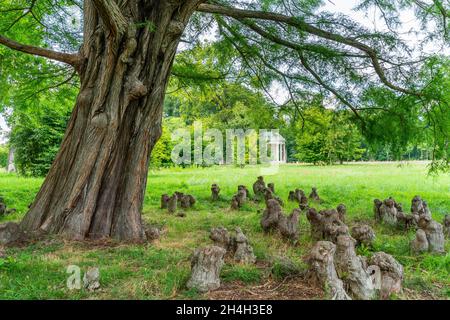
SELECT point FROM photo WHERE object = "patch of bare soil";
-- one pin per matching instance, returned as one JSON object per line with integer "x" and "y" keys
{"x": 290, "y": 288}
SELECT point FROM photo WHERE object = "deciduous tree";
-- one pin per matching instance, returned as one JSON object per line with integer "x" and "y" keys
{"x": 95, "y": 187}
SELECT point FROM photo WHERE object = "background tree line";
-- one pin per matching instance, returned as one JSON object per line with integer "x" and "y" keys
{"x": 317, "y": 129}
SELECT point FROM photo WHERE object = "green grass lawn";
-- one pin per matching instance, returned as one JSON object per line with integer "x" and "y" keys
{"x": 161, "y": 269}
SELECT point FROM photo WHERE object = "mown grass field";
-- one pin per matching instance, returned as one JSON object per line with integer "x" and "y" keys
{"x": 160, "y": 270}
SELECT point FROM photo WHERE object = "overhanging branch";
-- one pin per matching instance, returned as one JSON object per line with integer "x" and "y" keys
{"x": 304, "y": 63}
{"x": 69, "y": 58}
{"x": 242, "y": 14}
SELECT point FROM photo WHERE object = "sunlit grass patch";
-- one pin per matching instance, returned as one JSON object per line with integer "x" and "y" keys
{"x": 160, "y": 270}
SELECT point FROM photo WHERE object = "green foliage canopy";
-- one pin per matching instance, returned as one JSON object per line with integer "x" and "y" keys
{"x": 4, "y": 151}
{"x": 396, "y": 91}
{"x": 327, "y": 136}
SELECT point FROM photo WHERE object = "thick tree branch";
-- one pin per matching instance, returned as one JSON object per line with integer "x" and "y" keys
{"x": 71, "y": 59}
{"x": 292, "y": 21}
{"x": 111, "y": 16}
{"x": 241, "y": 15}
{"x": 304, "y": 63}
{"x": 263, "y": 60}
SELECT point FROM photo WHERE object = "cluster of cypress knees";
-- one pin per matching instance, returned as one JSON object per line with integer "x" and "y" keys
{"x": 178, "y": 199}
{"x": 333, "y": 262}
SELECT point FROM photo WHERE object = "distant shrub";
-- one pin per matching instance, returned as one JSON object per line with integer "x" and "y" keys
{"x": 36, "y": 138}
{"x": 3, "y": 156}
{"x": 161, "y": 153}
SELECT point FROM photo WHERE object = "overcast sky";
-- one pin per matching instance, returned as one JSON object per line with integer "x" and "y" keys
{"x": 373, "y": 19}
{"x": 369, "y": 19}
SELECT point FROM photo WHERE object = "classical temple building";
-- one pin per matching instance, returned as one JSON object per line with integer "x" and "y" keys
{"x": 277, "y": 146}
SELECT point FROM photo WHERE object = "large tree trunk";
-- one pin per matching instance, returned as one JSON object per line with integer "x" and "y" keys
{"x": 96, "y": 185}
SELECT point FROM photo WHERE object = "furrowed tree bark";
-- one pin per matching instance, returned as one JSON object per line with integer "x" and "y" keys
{"x": 96, "y": 185}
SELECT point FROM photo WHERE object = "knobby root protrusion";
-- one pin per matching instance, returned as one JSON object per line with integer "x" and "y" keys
{"x": 434, "y": 234}
{"x": 152, "y": 232}
{"x": 389, "y": 272}
{"x": 172, "y": 203}
{"x": 215, "y": 190}
{"x": 237, "y": 247}
{"x": 271, "y": 215}
{"x": 91, "y": 279}
{"x": 268, "y": 194}
{"x": 187, "y": 201}
{"x": 10, "y": 233}
{"x": 273, "y": 219}
{"x": 352, "y": 269}
{"x": 288, "y": 225}
{"x": 326, "y": 225}
{"x": 164, "y": 201}
{"x": 314, "y": 195}
{"x": 259, "y": 188}
{"x": 240, "y": 198}
{"x": 420, "y": 243}
{"x": 420, "y": 207}
{"x": 447, "y": 225}
{"x": 363, "y": 234}
{"x": 322, "y": 270}
{"x": 243, "y": 250}
{"x": 206, "y": 265}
